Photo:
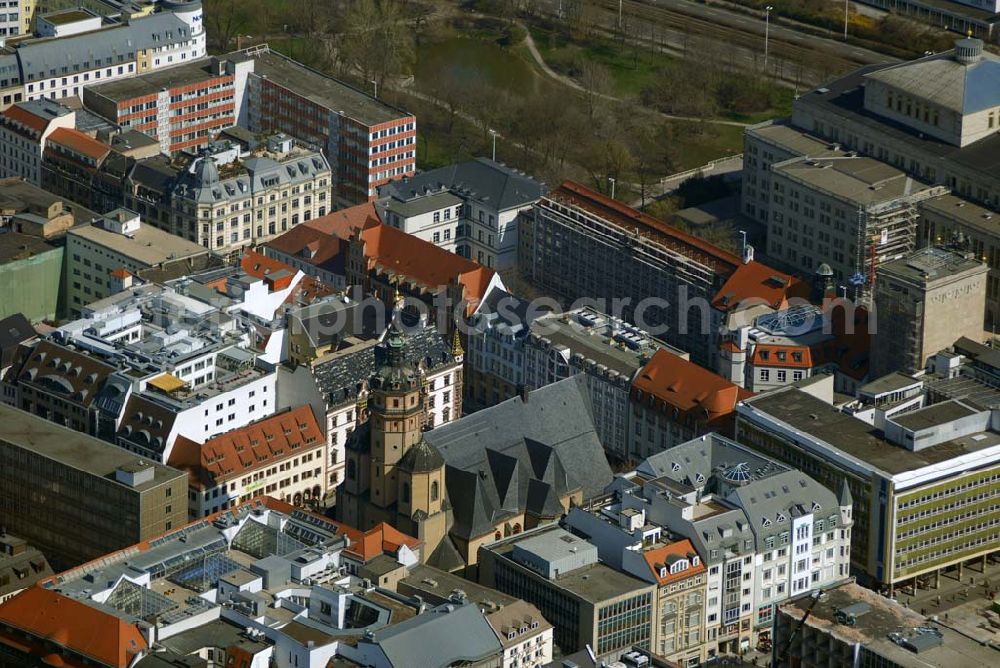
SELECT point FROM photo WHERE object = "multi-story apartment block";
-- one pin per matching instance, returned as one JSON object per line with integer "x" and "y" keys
{"x": 282, "y": 456}
{"x": 924, "y": 484}
{"x": 367, "y": 141}
{"x": 672, "y": 400}
{"x": 183, "y": 107}
{"x": 75, "y": 497}
{"x": 588, "y": 603}
{"x": 261, "y": 584}
{"x": 471, "y": 208}
{"x": 513, "y": 348}
{"x": 852, "y": 213}
{"x": 15, "y": 17}
{"x": 227, "y": 200}
{"x": 384, "y": 261}
{"x": 524, "y": 632}
{"x": 61, "y": 66}
{"x": 581, "y": 244}
{"x": 950, "y": 220}
{"x": 785, "y": 346}
{"x": 24, "y": 129}
{"x": 318, "y": 247}
{"x": 765, "y": 532}
{"x": 70, "y": 161}
{"x": 98, "y": 253}
{"x": 916, "y": 116}
{"x": 924, "y": 302}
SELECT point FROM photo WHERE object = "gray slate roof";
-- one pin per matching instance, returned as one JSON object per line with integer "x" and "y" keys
{"x": 444, "y": 636}
{"x": 521, "y": 455}
{"x": 340, "y": 378}
{"x": 482, "y": 180}
{"x": 89, "y": 50}
{"x": 943, "y": 80}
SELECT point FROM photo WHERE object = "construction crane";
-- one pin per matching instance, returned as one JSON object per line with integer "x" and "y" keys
{"x": 779, "y": 658}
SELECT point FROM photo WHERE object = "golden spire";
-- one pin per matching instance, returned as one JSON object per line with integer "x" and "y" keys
{"x": 456, "y": 343}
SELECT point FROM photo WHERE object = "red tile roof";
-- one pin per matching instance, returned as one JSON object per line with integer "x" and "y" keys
{"x": 723, "y": 262}
{"x": 256, "y": 446}
{"x": 26, "y": 118}
{"x": 312, "y": 246}
{"x": 670, "y": 382}
{"x": 342, "y": 223}
{"x": 848, "y": 348}
{"x": 265, "y": 268}
{"x": 78, "y": 142}
{"x": 755, "y": 283}
{"x": 663, "y": 556}
{"x": 50, "y": 617}
{"x": 395, "y": 252}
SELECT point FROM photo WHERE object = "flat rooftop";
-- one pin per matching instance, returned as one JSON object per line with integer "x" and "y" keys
{"x": 844, "y": 97}
{"x": 968, "y": 389}
{"x": 963, "y": 212}
{"x": 594, "y": 583}
{"x": 327, "y": 91}
{"x": 595, "y": 343}
{"x": 927, "y": 265}
{"x": 65, "y": 16}
{"x": 73, "y": 449}
{"x": 883, "y": 617}
{"x": 16, "y": 246}
{"x": 858, "y": 439}
{"x": 781, "y": 134}
{"x": 892, "y": 382}
{"x": 934, "y": 415}
{"x": 860, "y": 180}
{"x": 149, "y": 245}
{"x": 154, "y": 82}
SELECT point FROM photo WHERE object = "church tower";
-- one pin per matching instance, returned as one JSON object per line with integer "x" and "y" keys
{"x": 396, "y": 417}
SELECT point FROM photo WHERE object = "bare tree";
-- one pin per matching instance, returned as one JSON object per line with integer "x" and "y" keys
{"x": 596, "y": 82}
{"x": 226, "y": 19}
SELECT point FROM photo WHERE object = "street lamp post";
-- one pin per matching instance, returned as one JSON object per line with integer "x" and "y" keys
{"x": 846, "y": 10}
{"x": 375, "y": 81}
{"x": 494, "y": 133}
{"x": 619, "y": 14}
{"x": 612, "y": 179}
{"x": 767, "y": 32}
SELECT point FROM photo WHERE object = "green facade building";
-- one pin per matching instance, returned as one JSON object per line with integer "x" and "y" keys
{"x": 30, "y": 277}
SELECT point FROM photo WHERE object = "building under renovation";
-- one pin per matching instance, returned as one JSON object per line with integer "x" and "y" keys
{"x": 851, "y": 212}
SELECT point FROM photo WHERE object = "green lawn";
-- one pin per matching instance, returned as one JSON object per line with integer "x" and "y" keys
{"x": 698, "y": 144}
{"x": 631, "y": 69}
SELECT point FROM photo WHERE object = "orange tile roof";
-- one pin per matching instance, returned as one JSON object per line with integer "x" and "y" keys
{"x": 413, "y": 259}
{"x": 50, "y": 617}
{"x": 309, "y": 290}
{"x": 380, "y": 539}
{"x": 26, "y": 118}
{"x": 260, "y": 266}
{"x": 342, "y": 223}
{"x": 790, "y": 357}
{"x": 756, "y": 283}
{"x": 661, "y": 556}
{"x": 80, "y": 143}
{"x": 257, "y": 445}
{"x": 327, "y": 251}
{"x": 723, "y": 262}
{"x": 848, "y": 348}
{"x": 672, "y": 382}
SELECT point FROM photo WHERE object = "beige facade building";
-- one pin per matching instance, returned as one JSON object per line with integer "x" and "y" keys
{"x": 119, "y": 241}
{"x": 77, "y": 498}
{"x": 949, "y": 219}
{"x": 923, "y": 303}
{"x": 230, "y": 200}
{"x": 850, "y": 212}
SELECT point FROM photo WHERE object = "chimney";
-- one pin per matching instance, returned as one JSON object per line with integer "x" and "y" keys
{"x": 747, "y": 254}
{"x": 524, "y": 391}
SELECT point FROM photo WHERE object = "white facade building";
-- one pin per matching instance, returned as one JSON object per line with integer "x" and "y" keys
{"x": 472, "y": 209}
{"x": 24, "y": 129}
